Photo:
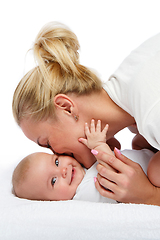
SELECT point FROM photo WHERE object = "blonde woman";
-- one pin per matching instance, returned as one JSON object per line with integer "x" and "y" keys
{"x": 54, "y": 100}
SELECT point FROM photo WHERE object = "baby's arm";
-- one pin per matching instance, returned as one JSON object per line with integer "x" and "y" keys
{"x": 95, "y": 138}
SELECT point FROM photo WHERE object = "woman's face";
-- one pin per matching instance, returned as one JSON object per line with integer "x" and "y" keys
{"x": 61, "y": 136}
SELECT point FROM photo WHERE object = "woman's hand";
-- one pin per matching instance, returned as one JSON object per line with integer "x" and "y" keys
{"x": 128, "y": 183}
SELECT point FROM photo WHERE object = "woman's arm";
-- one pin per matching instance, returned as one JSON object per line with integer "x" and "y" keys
{"x": 139, "y": 142}
{"x": 153, "y": 171}
{"x": 128, "y": 184}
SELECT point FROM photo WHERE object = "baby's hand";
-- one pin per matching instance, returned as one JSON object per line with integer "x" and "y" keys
{"x": 94, "y": 136}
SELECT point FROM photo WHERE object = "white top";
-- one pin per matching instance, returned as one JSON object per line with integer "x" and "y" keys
{"x": 86, "y": 191}
{"x": 135, "y": 87}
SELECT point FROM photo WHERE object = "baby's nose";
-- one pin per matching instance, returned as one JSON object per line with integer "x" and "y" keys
{"x": 64, "y": 172}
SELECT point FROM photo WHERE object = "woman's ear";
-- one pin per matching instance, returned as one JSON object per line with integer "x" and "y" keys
{"x": 63, "y": 102}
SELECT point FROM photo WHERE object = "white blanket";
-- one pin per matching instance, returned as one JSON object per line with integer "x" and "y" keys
{"x": 38, "y": 220}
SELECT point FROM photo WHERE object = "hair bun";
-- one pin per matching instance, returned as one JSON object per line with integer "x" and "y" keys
{"x": 56, "y": 43}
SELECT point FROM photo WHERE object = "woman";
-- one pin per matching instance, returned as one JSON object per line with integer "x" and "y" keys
{"x": 54, "y": 100}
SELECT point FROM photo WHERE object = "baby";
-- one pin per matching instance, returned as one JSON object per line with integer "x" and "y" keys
{"x": 43, "y": 176}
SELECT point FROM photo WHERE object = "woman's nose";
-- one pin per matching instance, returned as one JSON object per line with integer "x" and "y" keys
{"x": 64, "y": 172}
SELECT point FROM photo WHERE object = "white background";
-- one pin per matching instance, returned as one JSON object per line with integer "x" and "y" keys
{"x": 107, "y": 31}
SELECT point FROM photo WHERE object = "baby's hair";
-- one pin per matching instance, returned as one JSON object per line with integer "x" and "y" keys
{"x": 20, "y": 173}
{"x": 57, "y": 72}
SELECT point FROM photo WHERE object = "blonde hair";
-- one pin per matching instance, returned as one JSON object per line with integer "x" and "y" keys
{"x": 58, "y": 71}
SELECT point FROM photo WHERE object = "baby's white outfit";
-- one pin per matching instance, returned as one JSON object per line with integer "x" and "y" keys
{"x": 86, "y": 191}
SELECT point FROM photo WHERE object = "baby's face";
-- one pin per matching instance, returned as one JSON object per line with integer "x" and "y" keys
{"x": 52, "y": 177}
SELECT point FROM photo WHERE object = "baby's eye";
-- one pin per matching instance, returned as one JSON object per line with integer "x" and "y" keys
{"x": 53, "y": 181}
{"x": 57, "y": 162}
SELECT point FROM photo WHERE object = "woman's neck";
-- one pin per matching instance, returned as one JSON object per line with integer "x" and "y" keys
{"x": 99, "y": 105}
{"x": 110, "y": 113}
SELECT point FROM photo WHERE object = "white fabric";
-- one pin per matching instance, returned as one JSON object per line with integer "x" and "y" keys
{"x": 135, "y": 87}
{"x": 86, "y": 191}
{"x": 140, "y": 156}
{"x": 80, "y": 220}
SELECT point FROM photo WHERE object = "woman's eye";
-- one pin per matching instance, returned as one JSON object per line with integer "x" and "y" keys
{"x": 53, "y": 181}
{"x": 57, "y": 162}
{"x": 48, "y": 145}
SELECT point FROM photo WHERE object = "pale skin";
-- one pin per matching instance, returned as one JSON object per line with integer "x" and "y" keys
{"x": 63, "y": 133}
{"x": 130, "y": 175}
{"x": 139, "y": 142}
{"x": 96, "y": 139}
{"x": 50, "y": 177}
{"x": 56, "y": 177}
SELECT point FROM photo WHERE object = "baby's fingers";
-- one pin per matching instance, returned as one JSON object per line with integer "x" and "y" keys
{"x": 105, "y": 129}
{"x": 83, "y": 140}
{"x": 86, "y": 129}
{"x": 98, "y": 127}
{"x": 92, "y": 126}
